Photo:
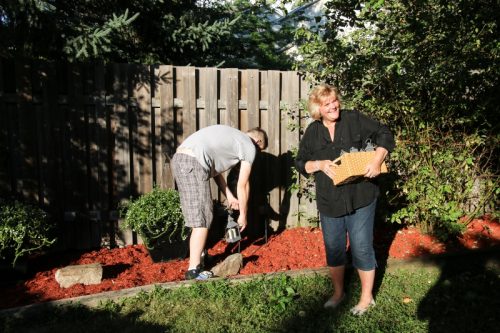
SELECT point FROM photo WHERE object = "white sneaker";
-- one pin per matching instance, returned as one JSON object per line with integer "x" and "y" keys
{"x": 205, "y": 275}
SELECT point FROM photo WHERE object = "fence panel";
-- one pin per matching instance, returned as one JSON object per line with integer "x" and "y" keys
{"x": 166, "y": 126}
{"x": 26, "y": 129}
{"x": 274, "y": 149}
{"x": 307, "y": 204}
{"x": 140, "y": 92}
{"x": 209, "y": 107}
{"x": 121, "y": 127}
{"x": 291, "y": 95}
{"x": 80, "y": 139}
{"x": 5, "y": 136}
{"x": 187, "y": 76}
{"x": 253, "y": 98}
{"x": 229, "y": 88}
{"x": 48, "y": 164}
{"x": 101, "y": 159}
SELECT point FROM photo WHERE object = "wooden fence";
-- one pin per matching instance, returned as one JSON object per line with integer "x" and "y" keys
{"x": 80, "y": 138}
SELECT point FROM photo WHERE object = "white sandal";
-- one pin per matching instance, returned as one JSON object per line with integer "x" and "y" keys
{"x": 331, "y": 304}
{"x": 357, "y": 311}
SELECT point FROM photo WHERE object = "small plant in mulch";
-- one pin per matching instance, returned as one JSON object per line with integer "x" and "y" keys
{"x": 283, "y": 295}
{"x": 24, "y": 229}
{"x": 155, "y": 216}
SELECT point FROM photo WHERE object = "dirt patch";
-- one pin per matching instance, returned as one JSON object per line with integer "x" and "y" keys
{"x": 290, "y": 249}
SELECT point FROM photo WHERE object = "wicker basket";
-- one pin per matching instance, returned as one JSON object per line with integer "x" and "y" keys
{"x": 351, "y": 166}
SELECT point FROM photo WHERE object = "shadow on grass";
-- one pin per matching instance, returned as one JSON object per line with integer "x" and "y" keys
{"x": 466, "y": 298}
{"x": 75, "y": 319}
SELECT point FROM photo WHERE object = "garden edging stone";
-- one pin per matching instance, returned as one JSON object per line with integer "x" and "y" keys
{"x": 491, "y": 257}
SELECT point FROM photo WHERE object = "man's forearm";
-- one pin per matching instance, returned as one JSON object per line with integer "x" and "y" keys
{"x": 243, "y": 194}
{"x": 221, "y": 183}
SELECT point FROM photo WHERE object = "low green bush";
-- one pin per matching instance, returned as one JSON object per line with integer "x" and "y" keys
{"x": 24, "y": 229}
{"x": 155, "y": 215}
{"x": 443, "y": 180}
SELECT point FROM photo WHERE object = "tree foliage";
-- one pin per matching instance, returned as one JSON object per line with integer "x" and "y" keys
{"x": 179, "y": 32}
{"x": 429, "y": 55}
{"x": 431, "y": 69}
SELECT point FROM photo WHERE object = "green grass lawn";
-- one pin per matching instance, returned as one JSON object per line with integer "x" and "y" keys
{"x": 458, "y": 297}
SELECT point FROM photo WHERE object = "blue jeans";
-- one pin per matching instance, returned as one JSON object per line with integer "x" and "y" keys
{"x": 359, "y": 226}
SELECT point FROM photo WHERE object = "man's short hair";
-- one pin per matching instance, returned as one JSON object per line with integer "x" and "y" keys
{"x": 259, "y": 133}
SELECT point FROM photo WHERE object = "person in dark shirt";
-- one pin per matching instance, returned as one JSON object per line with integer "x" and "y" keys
{"x": 346, "y": 210}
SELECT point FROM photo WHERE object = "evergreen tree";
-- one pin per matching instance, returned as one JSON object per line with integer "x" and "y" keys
{"x": 179, "y": 32}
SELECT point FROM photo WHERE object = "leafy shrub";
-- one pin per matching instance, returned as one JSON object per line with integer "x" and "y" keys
{"x": 442, "y": 179}
{"x": 24, "y": 229}
{"x": 431, "y": 73}
{"x": 155, "y": 215}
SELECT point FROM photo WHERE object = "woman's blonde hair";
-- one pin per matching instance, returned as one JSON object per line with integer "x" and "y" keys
{"x": 317, "y": 95}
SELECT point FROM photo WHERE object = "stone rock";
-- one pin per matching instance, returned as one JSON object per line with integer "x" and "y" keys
{"x": 230, "y": 266}
{"x": 84, "y": 274}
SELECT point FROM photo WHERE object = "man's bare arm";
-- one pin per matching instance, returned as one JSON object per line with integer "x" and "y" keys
{"x": 243, "y": 192}
{"x": 232, "y": 202}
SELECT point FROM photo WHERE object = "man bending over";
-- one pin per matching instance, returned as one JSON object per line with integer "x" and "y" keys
{"x": 206, "y": 154}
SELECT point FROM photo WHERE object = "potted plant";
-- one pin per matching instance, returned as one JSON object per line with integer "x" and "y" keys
{"x": 157, "y": 218}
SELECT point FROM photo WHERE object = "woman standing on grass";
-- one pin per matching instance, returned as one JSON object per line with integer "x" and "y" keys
{"x": 347, "y": 209}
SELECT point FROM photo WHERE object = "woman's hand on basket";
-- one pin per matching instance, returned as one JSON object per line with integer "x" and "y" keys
{"x": 372, "y": 170}
{"x": 328, "y": 167}
{"x": 321, "y": 165}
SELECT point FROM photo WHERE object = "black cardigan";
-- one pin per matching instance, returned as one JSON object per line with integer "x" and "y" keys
{"x": 351, "y": 130}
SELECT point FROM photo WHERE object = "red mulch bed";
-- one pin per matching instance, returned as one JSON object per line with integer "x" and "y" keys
{"x": 290, "y": 249}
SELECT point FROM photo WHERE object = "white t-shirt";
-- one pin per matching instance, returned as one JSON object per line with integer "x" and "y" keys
{"x": 219, "y": 147}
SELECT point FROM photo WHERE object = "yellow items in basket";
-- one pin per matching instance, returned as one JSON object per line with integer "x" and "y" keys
{"x": 351, "y": 166}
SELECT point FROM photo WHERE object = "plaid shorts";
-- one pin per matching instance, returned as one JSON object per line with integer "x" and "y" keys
{"x": 193, "y": 184}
